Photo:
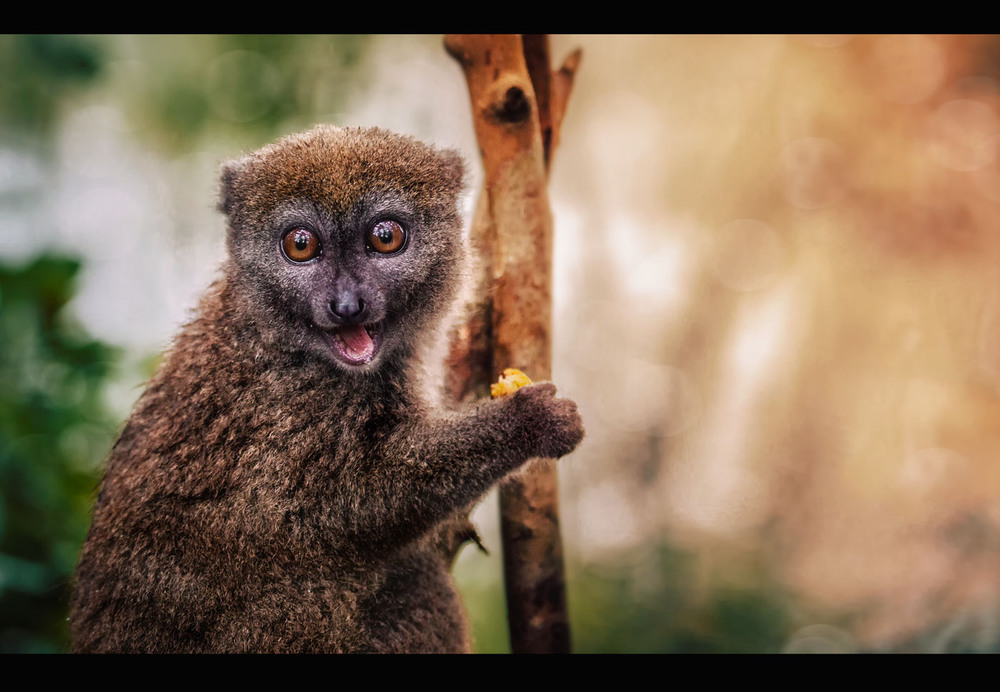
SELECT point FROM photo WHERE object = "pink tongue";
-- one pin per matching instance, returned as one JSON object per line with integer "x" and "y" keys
{"x": 357, "y": 343}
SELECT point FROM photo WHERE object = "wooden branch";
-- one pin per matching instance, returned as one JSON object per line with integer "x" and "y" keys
{"x": 562, "y": 85}
{"x": 536, "y": 58}
{"x": 513, "y": 227}
{"x": 552, "y": 89}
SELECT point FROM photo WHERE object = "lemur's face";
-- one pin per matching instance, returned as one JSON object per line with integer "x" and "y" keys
{"x": 354, "y": 234}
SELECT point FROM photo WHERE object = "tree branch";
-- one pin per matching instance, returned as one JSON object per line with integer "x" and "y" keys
{"x": 518, "y": 106}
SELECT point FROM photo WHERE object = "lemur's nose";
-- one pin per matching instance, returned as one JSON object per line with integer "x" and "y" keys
{"x": 348, "y": 307}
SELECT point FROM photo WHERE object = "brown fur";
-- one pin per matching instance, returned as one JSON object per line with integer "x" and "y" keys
{"x": 264, "y": 496}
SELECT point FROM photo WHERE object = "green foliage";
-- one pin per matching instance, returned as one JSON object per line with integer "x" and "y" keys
{"x": 176, "y": 89}
{"x": 478, "y": 578}
{"x": 661, "y": 604}
{"x": 54, "y": 432}
{"x": 244, "y": 88}
{"x": 39, "y": 71}
{"x": 659, "y": 601}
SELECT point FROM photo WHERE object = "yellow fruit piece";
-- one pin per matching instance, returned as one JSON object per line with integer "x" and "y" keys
{"x": 511, "y": 380}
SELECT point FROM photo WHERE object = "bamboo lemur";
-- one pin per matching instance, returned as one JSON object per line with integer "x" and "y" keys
{"x": 282, "y": 484}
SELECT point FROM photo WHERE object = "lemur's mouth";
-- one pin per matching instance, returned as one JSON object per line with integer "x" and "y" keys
{"x": 355, "y": 344}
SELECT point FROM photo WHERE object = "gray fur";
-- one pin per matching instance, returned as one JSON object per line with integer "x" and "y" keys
{"x": 266, "y": 496}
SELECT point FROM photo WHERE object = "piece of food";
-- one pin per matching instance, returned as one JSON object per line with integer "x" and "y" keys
{"x": 511, "y": 380}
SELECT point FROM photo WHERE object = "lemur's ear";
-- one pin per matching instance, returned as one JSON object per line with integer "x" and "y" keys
{"x": 230, "y": 182}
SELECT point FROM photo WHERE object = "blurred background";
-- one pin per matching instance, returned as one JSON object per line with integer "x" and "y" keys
{"x": 777, "y": 303}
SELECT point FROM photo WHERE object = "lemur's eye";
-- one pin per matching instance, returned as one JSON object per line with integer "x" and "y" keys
{"x": 386, "y": 236}
{"x": 300, "y": 245}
